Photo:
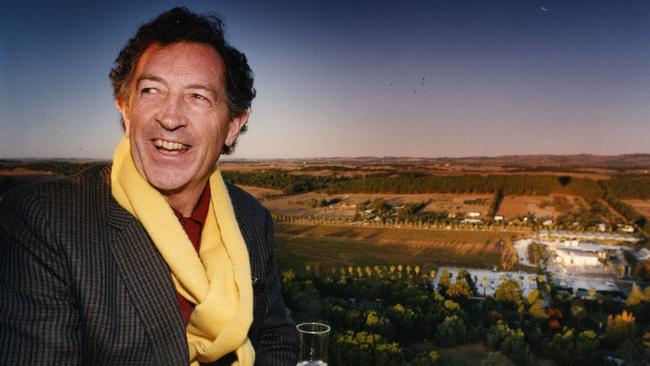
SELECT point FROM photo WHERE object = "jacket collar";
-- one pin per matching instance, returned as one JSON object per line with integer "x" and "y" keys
{"x": 149, "y": 283}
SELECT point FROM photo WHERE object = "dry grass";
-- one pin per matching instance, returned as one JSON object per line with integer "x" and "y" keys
{"x": 338, "y": 245}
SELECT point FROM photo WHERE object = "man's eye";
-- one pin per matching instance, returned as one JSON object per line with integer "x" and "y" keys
{"x": 149, "y": 90}
{"x": 199, "y": 97}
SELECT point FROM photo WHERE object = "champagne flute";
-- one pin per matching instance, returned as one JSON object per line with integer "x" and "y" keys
{"x": 313, "y": 344}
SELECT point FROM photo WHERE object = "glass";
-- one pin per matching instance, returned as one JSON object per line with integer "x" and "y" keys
{"x": 313, "y": 344}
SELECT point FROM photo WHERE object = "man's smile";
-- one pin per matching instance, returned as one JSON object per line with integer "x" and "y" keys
{"x": 170, "y": 145}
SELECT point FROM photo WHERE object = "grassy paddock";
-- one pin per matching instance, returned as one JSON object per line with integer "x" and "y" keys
{"x": 326, "y": 245}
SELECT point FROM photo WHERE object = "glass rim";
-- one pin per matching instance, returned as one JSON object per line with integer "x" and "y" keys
{"x": 326, "y": 330}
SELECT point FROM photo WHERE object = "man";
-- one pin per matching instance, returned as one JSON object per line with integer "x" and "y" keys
{"x": 153, "y": 260}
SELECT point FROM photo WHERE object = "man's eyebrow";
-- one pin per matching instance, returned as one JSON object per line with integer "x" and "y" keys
{"x": 202, "y": 86}
{"x": 149, "y": 77}
{"x": 206, "y": 87}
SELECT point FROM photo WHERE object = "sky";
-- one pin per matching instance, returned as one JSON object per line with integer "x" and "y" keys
{"x": 354, "y": 78}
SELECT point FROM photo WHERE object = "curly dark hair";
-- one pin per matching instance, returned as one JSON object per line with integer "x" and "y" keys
{"x": 181, "y": 25}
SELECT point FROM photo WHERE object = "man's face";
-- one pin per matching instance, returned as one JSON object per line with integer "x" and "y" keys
{"x": 177, "y": 117}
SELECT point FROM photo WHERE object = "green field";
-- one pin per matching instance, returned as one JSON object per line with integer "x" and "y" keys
{"x": 329, "y": 245}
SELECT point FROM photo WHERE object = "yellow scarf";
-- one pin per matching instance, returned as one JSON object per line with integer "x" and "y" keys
{"x": 217, "y": 280}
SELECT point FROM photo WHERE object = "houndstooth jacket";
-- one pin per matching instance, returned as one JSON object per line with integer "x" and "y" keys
{"x": 81, "y": 282}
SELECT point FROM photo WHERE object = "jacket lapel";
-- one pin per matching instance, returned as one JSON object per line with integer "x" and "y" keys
{"x": 148, "y": 281}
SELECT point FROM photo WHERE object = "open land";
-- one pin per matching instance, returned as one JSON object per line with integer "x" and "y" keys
{"x": 346, "y": 206}
{"x": 332, "y": 245}
{"x": 447, "y": 226}
{"x": 430, "y": 213}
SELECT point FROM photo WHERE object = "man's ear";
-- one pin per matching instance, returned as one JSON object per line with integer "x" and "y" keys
{"x": 235, "y": 127}
{"x": 121, "y": 106}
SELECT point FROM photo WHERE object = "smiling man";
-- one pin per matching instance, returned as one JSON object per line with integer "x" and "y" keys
{"x": 153, "y": 260}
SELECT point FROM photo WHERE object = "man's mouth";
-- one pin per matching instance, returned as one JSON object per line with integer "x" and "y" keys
{"x": 169, "y": 145}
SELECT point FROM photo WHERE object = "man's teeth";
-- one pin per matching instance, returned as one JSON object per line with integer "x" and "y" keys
{"x": 169, "y": 145}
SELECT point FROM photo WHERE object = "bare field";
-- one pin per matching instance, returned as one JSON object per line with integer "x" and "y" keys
{"x": 643, "y": 206}
{"x": 551, "y": 206}
{"x": 334, "y": 245}
{"x": 513, "y": 206}
{"x": 453, "y": 203}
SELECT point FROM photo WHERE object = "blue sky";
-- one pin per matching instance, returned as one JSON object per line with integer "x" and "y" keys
{"x": 355, "y": 78}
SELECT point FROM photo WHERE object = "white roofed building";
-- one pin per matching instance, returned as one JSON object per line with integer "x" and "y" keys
{"x": 576, "y": 257}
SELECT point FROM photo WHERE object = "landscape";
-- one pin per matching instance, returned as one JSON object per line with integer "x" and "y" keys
{"x": 532, "y": 259}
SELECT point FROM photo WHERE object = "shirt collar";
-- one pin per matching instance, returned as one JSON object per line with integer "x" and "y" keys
{"x": 200, "y": 212}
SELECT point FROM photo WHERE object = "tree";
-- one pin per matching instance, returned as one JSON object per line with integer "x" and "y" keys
{"x": 570, "y": 350}
{"x": 463, "y": 273}
{"x": 537, "y": 310}
{"x": 445, "y": 281}
{"x": 508, "y": 291}
{"x": 451, "y": 331}
{"x": 620, "y": 327}
{"x": 636, "y": 296}
{"x": 364, "y": 348}
{"x": 426, "y": 359}
{"x": 459, "y": 289}
{"x": 533, "y": 296}
{"x": 509, "y": 342}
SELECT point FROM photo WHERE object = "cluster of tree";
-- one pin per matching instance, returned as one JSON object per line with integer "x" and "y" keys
{"x": 510, "y": 342}
{"x": 476, "y": 202}
{"x": 577, "y": 348}
{"x": 321, "y": 202}
{"x": 537, "y": 253}
{"x": 509, "y": 258}
{"x": 378, "y": 313}
{"x": 377, "y": 205}
{"x": 628, "y": 187}
{"x": 278, "y": 179}
{"x": 365, "y": 349}
{"x": 496, "y": 203}
{"x": 507, "y": 184}
{"x": 629, "y": 212}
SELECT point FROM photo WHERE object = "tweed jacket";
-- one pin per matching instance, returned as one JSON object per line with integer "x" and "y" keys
{"x": 81, "y": 282}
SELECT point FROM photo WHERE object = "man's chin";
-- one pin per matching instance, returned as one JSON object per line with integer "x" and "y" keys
{"x": 168, "y": 185}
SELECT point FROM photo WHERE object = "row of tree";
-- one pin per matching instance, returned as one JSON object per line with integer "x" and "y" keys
{"x": 506, "y": 184}
{"x": 279, "y": 179}
{"x": 628, "y": 187}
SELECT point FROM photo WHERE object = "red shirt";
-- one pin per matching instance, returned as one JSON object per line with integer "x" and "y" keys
{"x": 193, "y": 227}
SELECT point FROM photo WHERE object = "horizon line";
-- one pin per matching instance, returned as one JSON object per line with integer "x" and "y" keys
{"x": 228, "y": 158}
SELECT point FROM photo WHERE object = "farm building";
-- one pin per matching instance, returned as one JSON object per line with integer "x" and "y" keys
{"x": 576, "y": 257}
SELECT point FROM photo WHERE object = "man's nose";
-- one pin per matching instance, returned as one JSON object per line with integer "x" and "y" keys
{"x": 170, "y": 115}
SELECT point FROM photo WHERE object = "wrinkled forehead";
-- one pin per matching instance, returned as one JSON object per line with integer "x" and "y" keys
{"x": 181, "y": 63}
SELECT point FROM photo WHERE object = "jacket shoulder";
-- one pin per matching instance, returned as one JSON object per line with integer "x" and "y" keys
{"x": 71, "y": 198}
{"x": 244, "y": 203}
{"x": 93, "y": 178}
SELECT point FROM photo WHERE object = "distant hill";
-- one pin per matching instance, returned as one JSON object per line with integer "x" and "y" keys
{"x": 627, "y": 161}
